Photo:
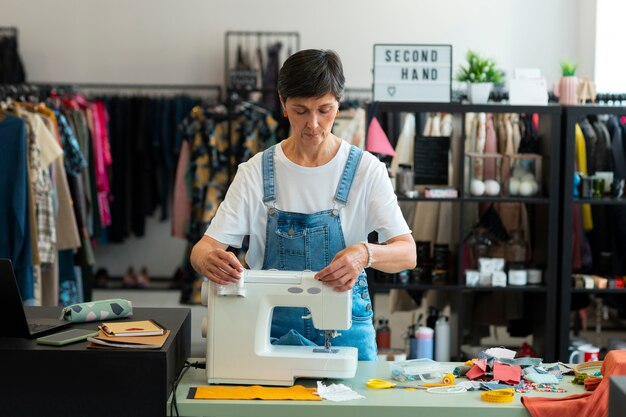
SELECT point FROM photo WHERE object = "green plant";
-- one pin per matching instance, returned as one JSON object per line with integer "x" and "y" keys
{"x": 479, "y": 70}
{"x": 568, "y": 68}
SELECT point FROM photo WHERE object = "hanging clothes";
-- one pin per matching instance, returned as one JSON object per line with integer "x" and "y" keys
{"x": 15, "y": 241}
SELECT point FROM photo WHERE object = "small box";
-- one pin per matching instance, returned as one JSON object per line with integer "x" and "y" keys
{"x": 416, "y": 370}
{"x": 523, "y": 175}
{"x": 472, "y": 278}
{"x": 484, "y": 174}
{"x": 498, "y": 279}
{"x": 485, "y": 279}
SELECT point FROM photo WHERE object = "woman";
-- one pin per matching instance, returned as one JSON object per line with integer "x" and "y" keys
{"x": 310, "y": 202}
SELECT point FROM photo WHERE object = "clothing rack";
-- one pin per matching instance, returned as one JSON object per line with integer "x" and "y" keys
{"x": 233, "y": 39}
{"x": 122, "y": 86}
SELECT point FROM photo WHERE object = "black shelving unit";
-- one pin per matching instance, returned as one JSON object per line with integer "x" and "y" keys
{"x": 545, "y": 229}
{"x": 571, "y": 116}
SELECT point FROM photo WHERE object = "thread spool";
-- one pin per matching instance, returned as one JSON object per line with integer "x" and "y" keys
{"x": 448, "y": 379}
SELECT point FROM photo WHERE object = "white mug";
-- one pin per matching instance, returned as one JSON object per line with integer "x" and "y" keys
{"x": 584, "y": 353}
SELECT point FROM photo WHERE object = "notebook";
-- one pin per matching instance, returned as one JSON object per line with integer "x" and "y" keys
{"x": 13, "y": 320}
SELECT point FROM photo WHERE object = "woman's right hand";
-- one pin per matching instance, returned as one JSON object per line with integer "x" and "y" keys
{"x": 211, "y": 259}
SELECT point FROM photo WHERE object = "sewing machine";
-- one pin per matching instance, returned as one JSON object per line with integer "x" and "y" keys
{"x": 238, "y": 324}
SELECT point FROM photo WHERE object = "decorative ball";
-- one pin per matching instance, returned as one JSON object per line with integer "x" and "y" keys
{"x": 477, "y": 187}
{"x": 514, "y": 184}
{"x": 526, "y": 188}
{"x": 535, "y": 187}
{"x": 492, "y": 187}
{"x": 519, "y": 172}
{"x": 527, "y": 176}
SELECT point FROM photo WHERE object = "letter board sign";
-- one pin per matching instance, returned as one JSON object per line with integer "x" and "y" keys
{"x": 413, "y": 73}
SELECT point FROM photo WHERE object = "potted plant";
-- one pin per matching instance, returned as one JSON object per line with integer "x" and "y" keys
{"x": 568, "y": 84}
{"x": 480, "y": 74}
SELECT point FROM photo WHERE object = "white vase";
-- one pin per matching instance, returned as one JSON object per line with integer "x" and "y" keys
{"x": 478, "y": 93}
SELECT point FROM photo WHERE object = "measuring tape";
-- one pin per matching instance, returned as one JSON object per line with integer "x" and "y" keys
{"x": 498, "y": 396}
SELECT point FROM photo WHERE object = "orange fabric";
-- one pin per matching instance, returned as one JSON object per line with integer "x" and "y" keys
{"x": 256, "y": 392}
{"x": 595, "y": 404}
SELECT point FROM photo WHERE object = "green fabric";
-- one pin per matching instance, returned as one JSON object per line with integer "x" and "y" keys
{"x": 114, "y": 308}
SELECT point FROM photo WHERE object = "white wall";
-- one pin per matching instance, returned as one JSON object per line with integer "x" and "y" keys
{"x": 161, "y": 41}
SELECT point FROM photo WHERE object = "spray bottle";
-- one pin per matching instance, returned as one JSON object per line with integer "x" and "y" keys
{"x": 442, "y": 339}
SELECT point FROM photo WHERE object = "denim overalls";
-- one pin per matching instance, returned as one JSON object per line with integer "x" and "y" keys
{"x": 297, "y": 242}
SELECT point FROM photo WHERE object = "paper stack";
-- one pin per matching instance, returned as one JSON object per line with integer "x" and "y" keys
{"x": 145, "y": 334}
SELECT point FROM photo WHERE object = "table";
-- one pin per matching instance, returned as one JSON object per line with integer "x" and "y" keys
{"x": 71, "y": 380}
{"x": 386, "y": 403}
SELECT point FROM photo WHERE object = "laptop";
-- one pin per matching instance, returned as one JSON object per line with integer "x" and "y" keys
{"x": 12, "y": 314}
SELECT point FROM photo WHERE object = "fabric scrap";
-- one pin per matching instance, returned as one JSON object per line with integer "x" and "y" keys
{"x": 256, "y": 392}
{"x": 541, "y": 378}
{"x": 337, "y": 392}
{"x": 506, "y": 373}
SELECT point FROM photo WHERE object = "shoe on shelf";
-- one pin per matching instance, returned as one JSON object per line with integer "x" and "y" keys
{"x": 143, "y": 279}
{"x": 101, "y": 278}
{"x": 130, "y": 279}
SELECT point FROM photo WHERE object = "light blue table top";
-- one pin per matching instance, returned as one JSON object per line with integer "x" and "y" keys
{"x": 377, "y": 403}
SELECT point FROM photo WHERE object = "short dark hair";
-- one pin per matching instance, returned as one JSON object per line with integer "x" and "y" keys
{"x": 311, "y": 73}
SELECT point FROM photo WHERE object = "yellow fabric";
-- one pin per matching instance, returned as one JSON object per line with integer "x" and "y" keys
{"x": 581, "y": 160}
{"x": 256, "y": 392}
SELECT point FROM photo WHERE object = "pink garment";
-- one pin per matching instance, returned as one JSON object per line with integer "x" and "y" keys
{"x": 181, "y": 210}
{"x": 97, "y": 121}
{"x": 595, "y": 404}
{"x": 103, "y": 160}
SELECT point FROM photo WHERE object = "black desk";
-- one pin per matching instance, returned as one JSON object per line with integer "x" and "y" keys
{"x": 68, "y": 381}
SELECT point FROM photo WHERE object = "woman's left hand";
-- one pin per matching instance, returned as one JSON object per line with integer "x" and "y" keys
{"x": 345, "y": 268}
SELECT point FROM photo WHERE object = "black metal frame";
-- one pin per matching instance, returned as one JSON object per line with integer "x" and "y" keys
{"x": 571, "y": 115}
{"x": 284, "y": 36}
{"x": 129, "y": 86}
{"x": 545, "y": 328}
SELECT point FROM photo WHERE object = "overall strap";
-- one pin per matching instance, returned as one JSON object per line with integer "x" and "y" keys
{"x": 269, "y": 185}
{"x": 343, "y": 189}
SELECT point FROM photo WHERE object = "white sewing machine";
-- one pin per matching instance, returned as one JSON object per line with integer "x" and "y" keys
{"x": 238, "y": 324}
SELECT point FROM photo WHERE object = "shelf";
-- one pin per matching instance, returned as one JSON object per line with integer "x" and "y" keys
{"x": 385, "y": 287}
{"x": 529, "y": 200}
{"x": 543, "y": 213}
{"x": 509, "y": 288}
{"x": 608, "y": 201}
{"x": 466, "y": 108}
{"x": 428, "y": 200}
{"x": 611, "y": 291}
{"x": 380, "y": 287}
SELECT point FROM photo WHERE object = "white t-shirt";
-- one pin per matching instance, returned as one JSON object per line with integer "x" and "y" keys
{"x": 372, "y": 203}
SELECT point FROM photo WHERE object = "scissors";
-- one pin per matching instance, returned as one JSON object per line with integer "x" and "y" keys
{"x": 382, "y": 384}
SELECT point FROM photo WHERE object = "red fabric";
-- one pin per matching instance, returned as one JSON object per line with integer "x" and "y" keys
{"x": 595, "y": 404}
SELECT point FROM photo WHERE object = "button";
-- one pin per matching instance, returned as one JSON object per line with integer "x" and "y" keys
{"x": 368, "y": 307}
{"x": 272, "y": 211}
{"x": 314, "y": 290}
{"x": 295, "y": 290}
{"x": 361, "y": 282}
{"x": 335, "y": 212}
{"x": 364, "y": 295}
